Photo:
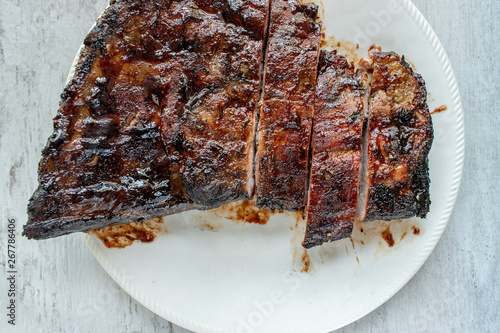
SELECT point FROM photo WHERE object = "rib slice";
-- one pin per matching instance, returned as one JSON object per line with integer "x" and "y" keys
{"x": 336, "y": 150}
{"x": 286, "y": 114}
{"x": 106, "y": 162}
{"x": 399, "y": 137}
{"x": 209, "y": 131}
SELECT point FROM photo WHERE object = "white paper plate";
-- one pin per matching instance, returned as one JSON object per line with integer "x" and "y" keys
{"x": 242, "y": 277}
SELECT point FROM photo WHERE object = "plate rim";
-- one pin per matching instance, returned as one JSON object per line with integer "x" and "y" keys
{"x": 405, "y": 277}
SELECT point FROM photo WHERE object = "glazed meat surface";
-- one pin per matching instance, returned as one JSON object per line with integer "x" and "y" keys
{"x": 110, "y": 159}
{"x": 285, "y": 118}
{"x": 209, "y": 130}
{"x": 400, "y": 135}
{"x": 336, "y": 150}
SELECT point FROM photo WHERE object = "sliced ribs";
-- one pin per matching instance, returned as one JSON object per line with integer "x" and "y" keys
{"x": 161, "y": 116}
{"x": 336, "y": 150}
{"x": 158, "y": 118}
{"x": 281, "y": 169}
{"x": 399, "y": 138}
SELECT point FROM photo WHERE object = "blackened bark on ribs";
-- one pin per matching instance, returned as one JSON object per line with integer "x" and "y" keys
{"x": 106, "y": 162}
{"x": 336, "y": 148}
{"x": 250, "y": 15}
{"x": 287, "y": 110}
{"x": 209, "y": 131}
{"x": 399, "y": 139}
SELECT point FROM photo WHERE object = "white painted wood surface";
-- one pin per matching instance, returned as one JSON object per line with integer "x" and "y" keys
{"x": 62, "y": 288}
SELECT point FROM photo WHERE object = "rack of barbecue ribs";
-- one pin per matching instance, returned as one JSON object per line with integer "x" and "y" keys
{"x": 191, "y": 104}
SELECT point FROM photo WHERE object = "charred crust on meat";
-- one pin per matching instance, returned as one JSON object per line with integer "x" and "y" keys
{"x": 109, "y": 160}
{"x": 401, "y": 136}
{"x": 287, "y": 108}
{"x": 333, "y": 191}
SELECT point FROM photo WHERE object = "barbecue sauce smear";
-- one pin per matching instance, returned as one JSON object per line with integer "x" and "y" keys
{"x": 440, "y": 109}
{"x": 243, "y": 211}
{"x": 123, "y": 235}
{"x": 301, "y": 261}
{"x": 390, "y": 233}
